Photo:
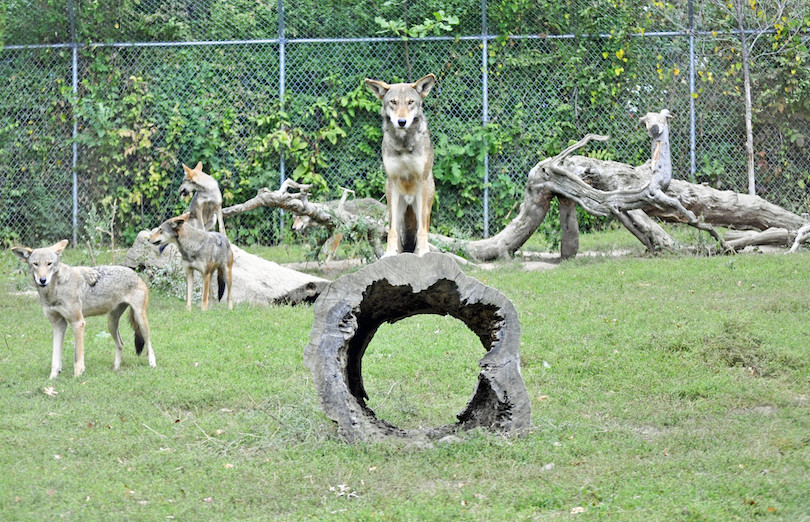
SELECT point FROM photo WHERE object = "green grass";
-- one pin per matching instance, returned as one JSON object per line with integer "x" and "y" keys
{"x": 662, "y": 388}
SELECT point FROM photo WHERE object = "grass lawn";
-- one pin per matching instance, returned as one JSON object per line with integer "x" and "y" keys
{"x": 666, "y": 388}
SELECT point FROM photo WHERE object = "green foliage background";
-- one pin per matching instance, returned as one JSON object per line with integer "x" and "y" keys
{"x": 557, "y": 70}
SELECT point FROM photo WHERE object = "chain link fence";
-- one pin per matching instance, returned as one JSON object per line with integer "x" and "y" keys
{"x": 102, "y": 106}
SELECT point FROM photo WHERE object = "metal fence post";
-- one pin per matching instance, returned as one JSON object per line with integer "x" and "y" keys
{"x": 692, "y": 159}
{"x": 75, "y": 89}
{"x": 282, "y": 49}
{"x": 485, "y": 108}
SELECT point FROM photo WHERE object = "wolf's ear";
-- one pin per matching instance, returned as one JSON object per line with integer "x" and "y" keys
{"x": 22, "y": 252}
{"x": 424, "y": 85}
{"x": 60, "y": 246}
{"x": 377, "y": 87}
{"x": 179, "y": 221}
{"x": 666, "y": 114}
{"x": 199, "y": 166}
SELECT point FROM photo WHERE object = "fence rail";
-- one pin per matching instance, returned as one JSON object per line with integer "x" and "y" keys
{"x": 88, "y": 123}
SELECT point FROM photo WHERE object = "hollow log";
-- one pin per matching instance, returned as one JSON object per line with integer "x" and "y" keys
{"x": 349, "y": 312}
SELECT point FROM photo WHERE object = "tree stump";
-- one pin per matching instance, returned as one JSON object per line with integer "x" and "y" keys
{"x": 349, "y": 312}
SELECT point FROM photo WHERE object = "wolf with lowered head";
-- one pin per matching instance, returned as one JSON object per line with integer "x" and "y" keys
{"x": 200, "y": 250}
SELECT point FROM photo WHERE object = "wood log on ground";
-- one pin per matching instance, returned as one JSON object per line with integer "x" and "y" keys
{"x": 634, "y": 195}
{"x": 802, "y": 235}
{"x": 325, "y": 214}
{"x": 348, "y": 314}
{"x": 587, "y": 180}
{"x": 255, "y": 280}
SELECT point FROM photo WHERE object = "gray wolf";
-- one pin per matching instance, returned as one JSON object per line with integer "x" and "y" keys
{"x": 200, "y": 250}
{"x": 206, "y": 203}
{"x": 68, "y": 294}
{"x": 408, "y": 161}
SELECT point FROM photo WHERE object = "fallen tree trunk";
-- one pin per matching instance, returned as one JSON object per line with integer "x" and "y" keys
{"x": 255, "y": 280}
{"x": 634, "y": 195}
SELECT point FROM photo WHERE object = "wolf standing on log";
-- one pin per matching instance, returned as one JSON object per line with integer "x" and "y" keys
{"x": 408, "y": 160}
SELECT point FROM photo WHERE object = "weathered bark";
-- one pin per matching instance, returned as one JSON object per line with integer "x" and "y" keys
{"x": 255, "y": 280}
{"x": 325, "y": 214}
{"x": 348, "y": 314}
{"x": 569, "y": 229}
{"x": 802, "y": 235}
{"x": 634, "y": 195}
{"x": 739, "y": 239}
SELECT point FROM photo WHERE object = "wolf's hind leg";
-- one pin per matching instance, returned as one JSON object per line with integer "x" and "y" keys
{"x": 113, "y": 319}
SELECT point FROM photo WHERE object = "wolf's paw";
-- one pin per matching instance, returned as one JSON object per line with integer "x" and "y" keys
{"x": 78, "y": 370}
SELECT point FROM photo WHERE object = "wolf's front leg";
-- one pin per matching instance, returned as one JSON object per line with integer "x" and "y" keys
{"x": 59, "y": 327}
{"x": 220, "y": 222}
{"x": 422, "y": 210}
{"x": 394, "y": 222}
{"x": 78, "y": 342}
{"x": 189, "y": 286}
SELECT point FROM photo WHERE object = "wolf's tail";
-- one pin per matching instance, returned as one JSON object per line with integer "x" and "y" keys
{"x": 220, "y": 282}
{"x": 139, "y": 341}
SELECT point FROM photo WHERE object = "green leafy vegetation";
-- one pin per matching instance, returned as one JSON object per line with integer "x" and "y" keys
{"x": 142, "y": 111}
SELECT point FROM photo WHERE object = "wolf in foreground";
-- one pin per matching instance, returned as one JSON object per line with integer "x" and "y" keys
{"x": 68, "y": 294}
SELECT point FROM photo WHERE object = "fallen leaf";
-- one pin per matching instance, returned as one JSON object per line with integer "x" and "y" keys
{"x": 577, "y": 510}
{"x": 228, "y": 465}
{"x": 50, "y": 390}
{"x": 208, "y": 499}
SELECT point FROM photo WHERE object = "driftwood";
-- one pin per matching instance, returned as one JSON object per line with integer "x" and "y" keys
{"x": 294, "y": 197}
{"x": 802, "y": 235}
{"x": 613, "y": 188}
{"x": 255, "y": 280}
{"x": 348, "y": 314}
{"x": 634, "y": 195}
